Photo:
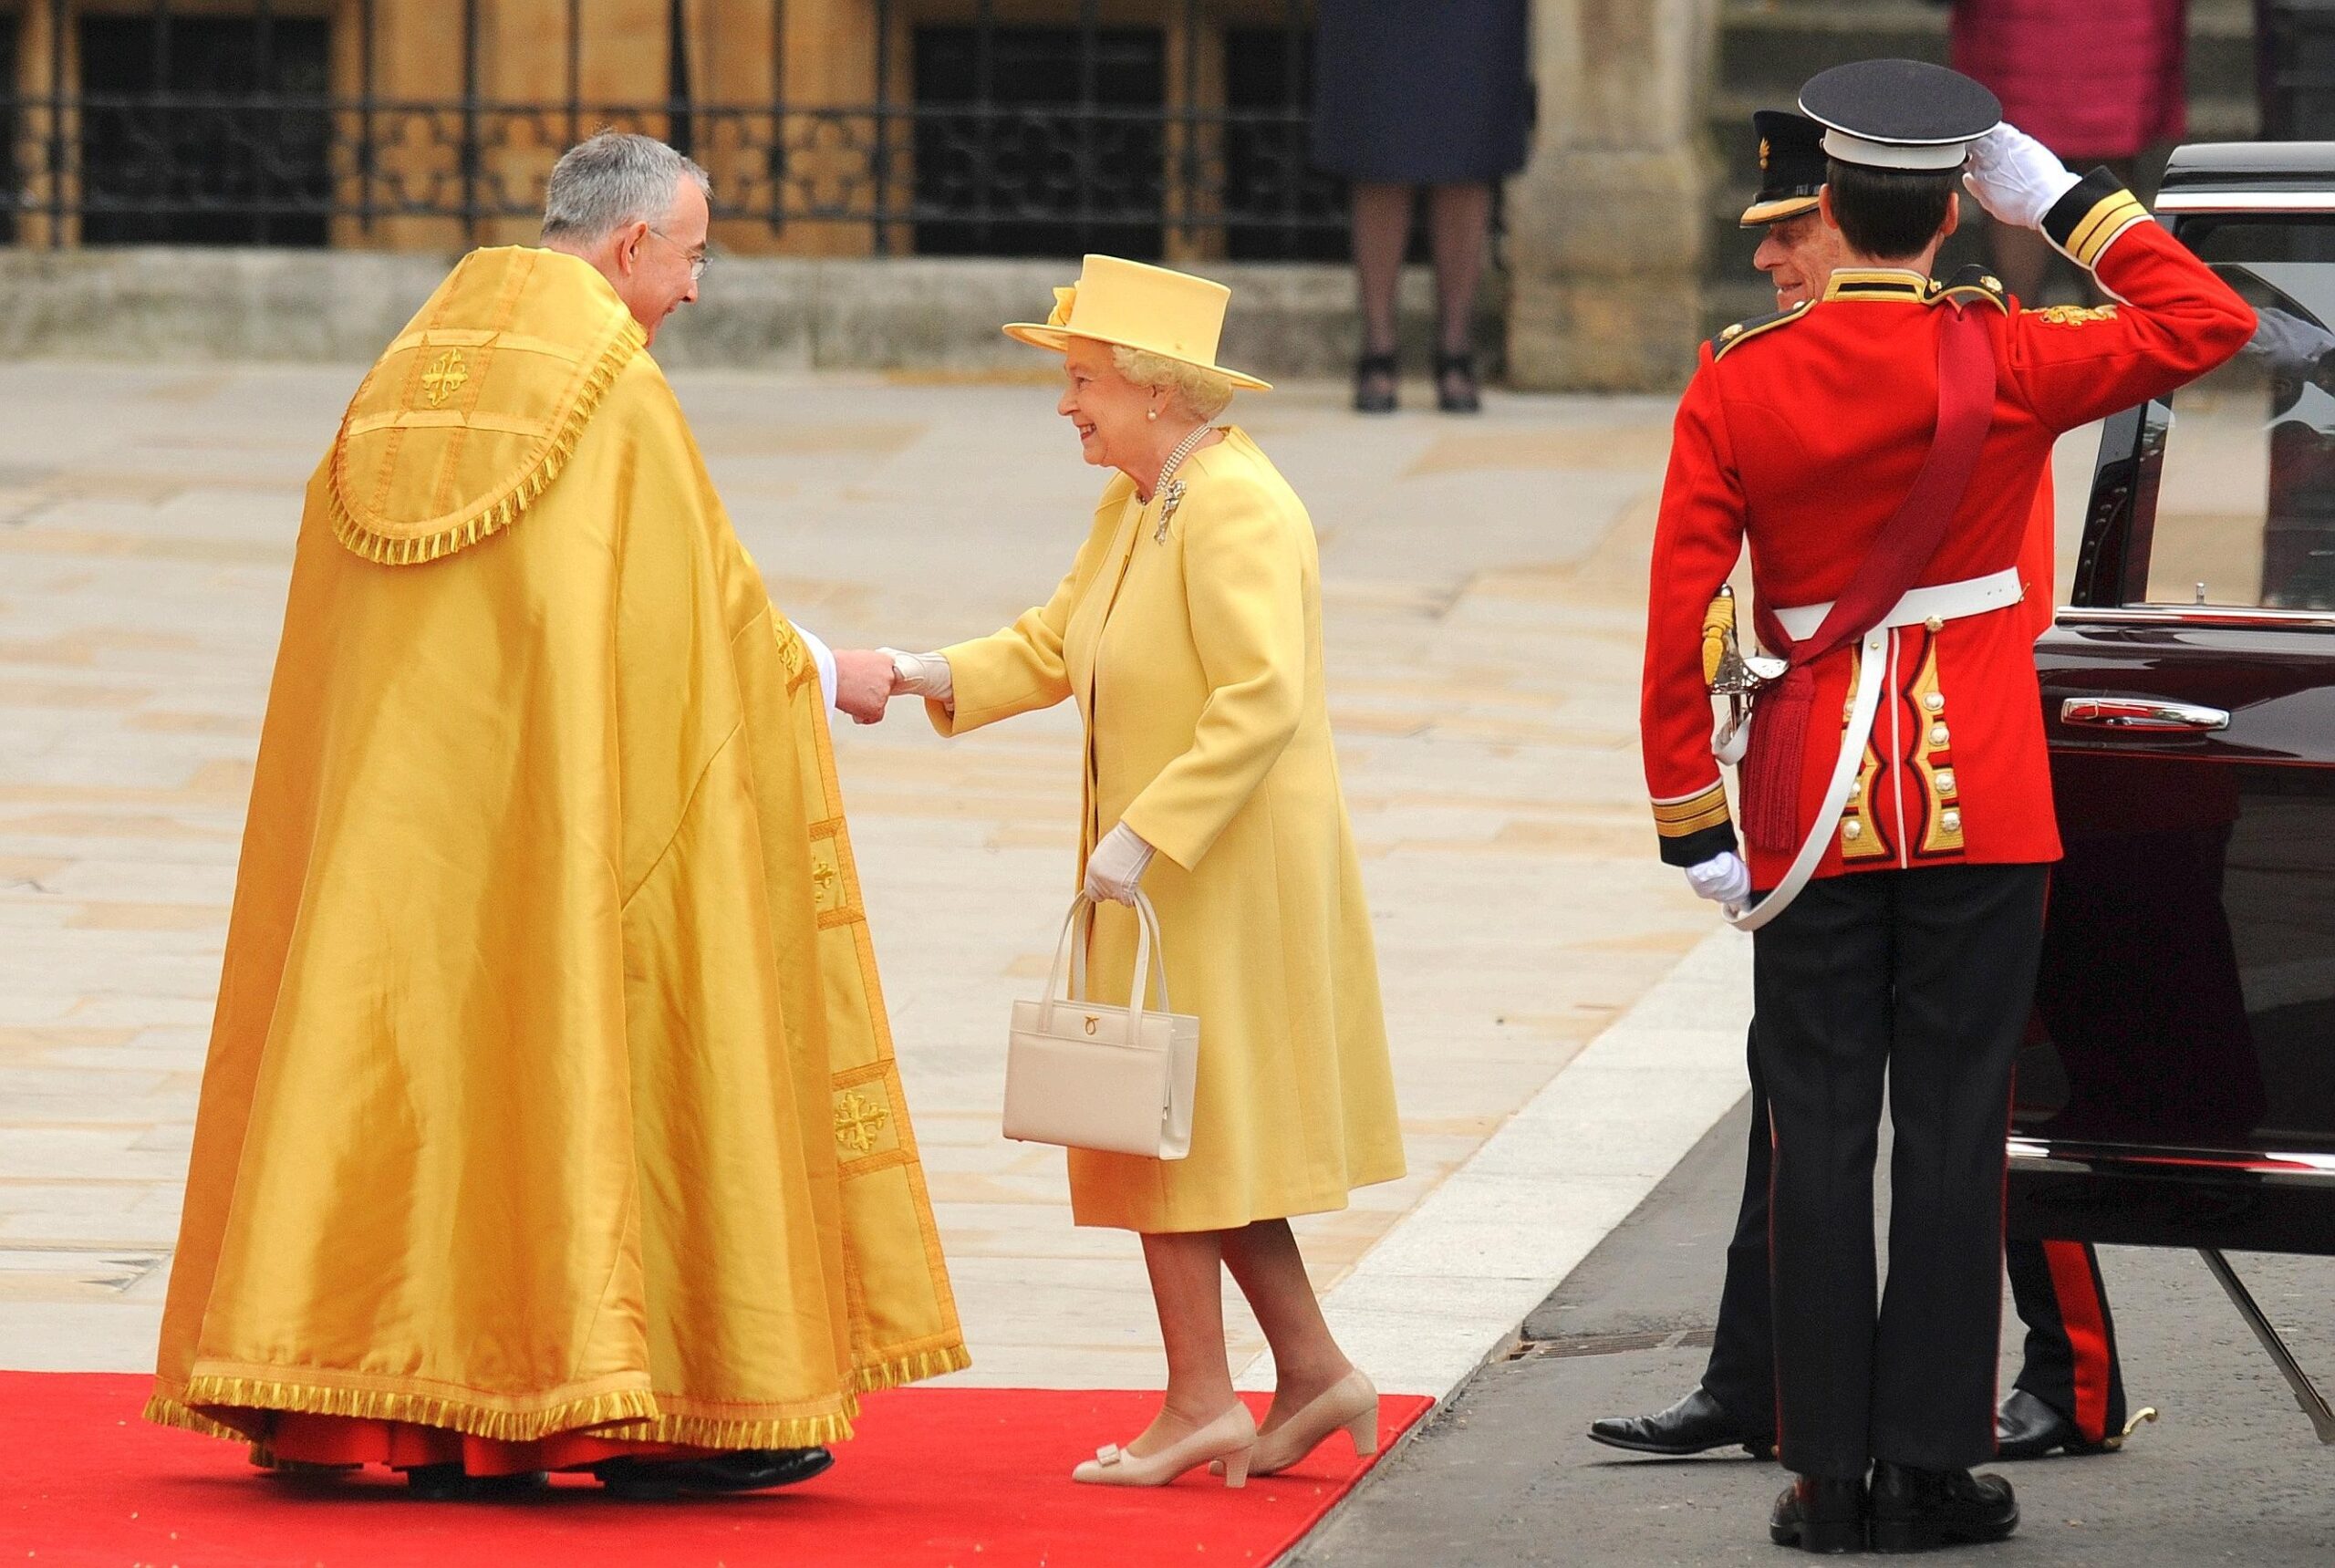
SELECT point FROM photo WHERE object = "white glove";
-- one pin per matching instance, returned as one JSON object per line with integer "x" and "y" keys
{"x": 2015, "y": 177}
{"x": 1117, "y": 868}
{"x": 1723, "y": 878}
{"x": 922, "y": 675}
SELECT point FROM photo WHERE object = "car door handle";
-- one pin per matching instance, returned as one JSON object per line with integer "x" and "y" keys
{"x": 2140, "y": 714}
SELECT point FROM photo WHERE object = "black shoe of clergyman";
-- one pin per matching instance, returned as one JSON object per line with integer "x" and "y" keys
{"x": 449, "y": 1484}
{"x": 1914, "y": 1510}
{"x": 1820, "y": 1513}
{"x": 1695, "y": 1425}
{"x": 745, "y": 1469}
{"x": 2028, "y": 1429}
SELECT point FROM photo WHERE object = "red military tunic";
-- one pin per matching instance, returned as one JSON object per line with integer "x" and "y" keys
{"x": 1803, "y": 432}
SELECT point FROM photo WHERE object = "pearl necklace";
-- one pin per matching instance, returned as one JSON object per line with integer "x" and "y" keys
{"x": 1169, "y": 490}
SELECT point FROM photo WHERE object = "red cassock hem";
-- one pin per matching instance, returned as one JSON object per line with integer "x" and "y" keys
{"x": 350, "y": 1440}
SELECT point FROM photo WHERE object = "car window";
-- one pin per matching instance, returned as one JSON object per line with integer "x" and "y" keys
{"x": 2245, "y": 492}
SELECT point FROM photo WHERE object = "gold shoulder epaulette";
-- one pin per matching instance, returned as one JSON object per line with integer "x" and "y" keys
{"x": 1741, "y": 332}
{"x": 1972, "y": 284}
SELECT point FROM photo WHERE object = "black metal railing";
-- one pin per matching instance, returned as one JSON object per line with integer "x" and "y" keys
{"x": 1179, "y": 128}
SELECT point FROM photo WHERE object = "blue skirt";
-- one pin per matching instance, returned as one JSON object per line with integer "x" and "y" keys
{"x": 1422, "y": 91}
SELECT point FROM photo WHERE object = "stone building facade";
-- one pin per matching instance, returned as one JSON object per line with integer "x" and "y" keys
{"x": 837, "y": 129}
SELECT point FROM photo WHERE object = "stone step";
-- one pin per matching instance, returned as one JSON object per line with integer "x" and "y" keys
{"x": 1769, "y": 50}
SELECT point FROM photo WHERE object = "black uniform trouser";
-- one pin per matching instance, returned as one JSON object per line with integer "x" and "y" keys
{"x": 2070, "y": 1357}
{"x": 2070, "y": 1360}
{"x": 1741, "y": 1373}
{"x": 1921, "y": 980}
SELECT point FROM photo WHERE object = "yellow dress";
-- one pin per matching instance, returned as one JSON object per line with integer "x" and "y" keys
{"x": 550, "y": 1090}
{"x": 1197, "y": 663}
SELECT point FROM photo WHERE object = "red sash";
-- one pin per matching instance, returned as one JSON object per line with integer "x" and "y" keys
{"x": 1902, "y": 551}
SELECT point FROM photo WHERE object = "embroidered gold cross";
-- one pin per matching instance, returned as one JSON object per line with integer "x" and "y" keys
{"x": 446, "y": 376}
{"x": 823, "y": 881}
{"x": 858, "y": 1122}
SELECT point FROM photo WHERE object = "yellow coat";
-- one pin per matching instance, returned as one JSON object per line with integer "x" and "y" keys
{"x": 1197, "y": 664}
{"x": 550, "y": 1088}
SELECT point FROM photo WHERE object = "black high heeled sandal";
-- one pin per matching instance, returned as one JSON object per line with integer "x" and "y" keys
{"x": 1374, "y": 384}
{"x": 1464, "y": 398}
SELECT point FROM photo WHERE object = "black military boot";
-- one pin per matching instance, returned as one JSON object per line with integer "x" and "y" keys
{"x": 1695, "y": 1425}
{"x": 2028, "y": 1429}
{"x": 1820, "y": 1513}
{"x": 1914, "y": 1511}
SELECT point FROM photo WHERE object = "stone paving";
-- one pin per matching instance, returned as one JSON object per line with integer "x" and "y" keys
{"x": 1482, "y": 580}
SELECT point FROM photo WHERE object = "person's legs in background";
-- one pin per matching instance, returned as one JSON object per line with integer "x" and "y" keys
{"x": 1381, "y": 231}
{"x": 1459, "y": 228}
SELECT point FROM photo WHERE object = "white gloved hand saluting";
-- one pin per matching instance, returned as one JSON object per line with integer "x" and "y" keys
{"x": 1723, "y": 878}
{"x": 1115, "y": 869}
{"x": 2015, "y": 176}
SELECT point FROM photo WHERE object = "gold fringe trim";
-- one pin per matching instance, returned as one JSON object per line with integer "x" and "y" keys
{"x": 392, "y": 551}
{"x": 629, "y": 1416}
{"x": 165, "y": 1411}
{"x": 911, "y": 1368}
{"x": 628, "y": 1406}
{"x": 707, "y": 1432}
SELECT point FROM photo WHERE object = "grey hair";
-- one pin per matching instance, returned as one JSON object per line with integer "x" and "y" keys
{"x": 1202, "y": 391}
{"x": 614, "y": 178}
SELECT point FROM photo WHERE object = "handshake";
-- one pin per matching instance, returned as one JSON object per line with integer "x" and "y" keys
{"x": 867, "y": 679}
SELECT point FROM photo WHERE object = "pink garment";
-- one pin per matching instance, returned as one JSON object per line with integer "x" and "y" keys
{"x": 2090, "y": 80}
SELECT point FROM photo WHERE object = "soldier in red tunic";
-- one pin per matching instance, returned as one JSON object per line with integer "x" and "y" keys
{"x": 2069, "y": 1394}
{"x": 1880, "y": 450}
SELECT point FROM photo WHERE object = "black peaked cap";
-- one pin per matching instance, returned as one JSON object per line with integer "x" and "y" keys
{"x": 1791, "y": 166}
{"x": 1899, "y": 114}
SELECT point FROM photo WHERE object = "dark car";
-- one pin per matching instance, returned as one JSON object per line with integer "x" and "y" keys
{"x": 2178, "y": 1088}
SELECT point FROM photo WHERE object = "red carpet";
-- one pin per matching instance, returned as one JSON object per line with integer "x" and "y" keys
{"x": 974, "y": 1478}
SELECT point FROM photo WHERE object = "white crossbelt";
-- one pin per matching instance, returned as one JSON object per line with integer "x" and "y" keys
{"x": 1942, "y": 602}
{"x": 1920, "y": 607}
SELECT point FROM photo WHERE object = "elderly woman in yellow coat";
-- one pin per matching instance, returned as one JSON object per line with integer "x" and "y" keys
{"x": 1188, "y": 629}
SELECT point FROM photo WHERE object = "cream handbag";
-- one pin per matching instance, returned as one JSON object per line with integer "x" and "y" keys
{"x": 1088, "y": 1075}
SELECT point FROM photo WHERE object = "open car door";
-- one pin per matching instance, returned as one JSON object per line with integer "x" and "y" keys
{"x": 2178, "y": 1085}
{"x": 2186, "y": 1048}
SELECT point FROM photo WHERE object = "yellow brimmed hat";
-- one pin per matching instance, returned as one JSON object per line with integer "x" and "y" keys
{"x": 1134, "y": 305}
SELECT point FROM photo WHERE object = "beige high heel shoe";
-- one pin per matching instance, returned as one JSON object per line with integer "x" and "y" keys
{"x": 1225, "y": 1442}
{"x": 1351, "y": 1402}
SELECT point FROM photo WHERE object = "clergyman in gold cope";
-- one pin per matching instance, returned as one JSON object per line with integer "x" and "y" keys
{"x": 550, "y": 1115}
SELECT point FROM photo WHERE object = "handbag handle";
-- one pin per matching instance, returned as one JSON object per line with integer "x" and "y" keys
{"x": 1079, "y": 922}
{"x": 1149, "y": 915}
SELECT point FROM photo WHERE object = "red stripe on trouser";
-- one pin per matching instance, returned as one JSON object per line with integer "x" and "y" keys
{"x": 2087, "y": 1331}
